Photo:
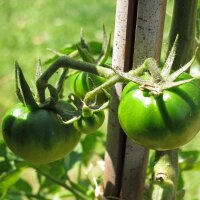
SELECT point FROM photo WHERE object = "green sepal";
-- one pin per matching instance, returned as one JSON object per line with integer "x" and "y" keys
{"x": 17, "y": 88}
{"x": 105, "y": 50}
{"x": 28, "y": 98}
{"x": 169, "y": 61}
{"x": 52, "y": 100}
{"x": 53, "y": 93}
{"x": 85, "y": 55}
{"x": 76, "y": 101}
{"x": 86, "y": 111}
{"x": 38, "y": 71}
{"x": 153, "y": 69}
{"x": 84, "y": 43}
{"x": 61, "y": 81}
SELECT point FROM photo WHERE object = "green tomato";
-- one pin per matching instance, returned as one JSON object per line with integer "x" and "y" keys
{"x": 38, "y": 136}
{"x": 83, "y": 82}
{"x": 162, "y": 122}
{"x": 90, "y": 124}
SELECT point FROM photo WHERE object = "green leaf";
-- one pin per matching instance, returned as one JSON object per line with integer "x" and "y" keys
{"x": 73, "y": 158}
{"x": 189, "y": 159}
{"x": 23, "y": 185}
{"x": 4, "y": 166}
{"x": 92, "y": 144}
{"x": 180, "y": 182}
{"x": 55, "y": 169}
{"x": 9, "y": 178}
{"x": 11, "y": 196}
{"x": 66, "y": 50}
{"x": 196, "y": 166}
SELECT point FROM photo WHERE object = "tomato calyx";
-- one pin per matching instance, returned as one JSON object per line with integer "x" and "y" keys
{"x": 27, "y": 97}
{"x": 156, "y": 80}
{"x": 82, "y": 110}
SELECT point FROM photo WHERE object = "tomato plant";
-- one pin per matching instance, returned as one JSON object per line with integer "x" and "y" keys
{"x": 38, "y": 136}
{"x": 165, "y": 121}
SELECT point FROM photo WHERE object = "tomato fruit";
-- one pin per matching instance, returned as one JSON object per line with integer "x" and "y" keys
{"x": 38, "y": 136}
{"x": 162, "y": 122}
{"x": 90, "y": 124}
{"x": 83, "y": 82}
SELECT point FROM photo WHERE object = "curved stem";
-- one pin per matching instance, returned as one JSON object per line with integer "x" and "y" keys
{"x": 29, "y": 195}
{"x": 121, "y": 77}
{"x": 77, "y": 193}
{"x": 66, "y": 62}
{"x": 110, "y": 82}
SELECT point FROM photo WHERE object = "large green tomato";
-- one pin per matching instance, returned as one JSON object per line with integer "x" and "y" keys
{"x": 162, "y": 122}
{"x": 38, "y": 136}
{"x": 83, "y": 82}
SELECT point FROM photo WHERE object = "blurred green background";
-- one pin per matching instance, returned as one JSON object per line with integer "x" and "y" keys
{"x": 28, "y": 28}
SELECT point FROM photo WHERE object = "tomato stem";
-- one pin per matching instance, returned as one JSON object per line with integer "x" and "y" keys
{"x": 110, "y": 82}
{"x": 67, "y": 62}
{"x": 73, "y": 190}
{"x": 164, "y": 174}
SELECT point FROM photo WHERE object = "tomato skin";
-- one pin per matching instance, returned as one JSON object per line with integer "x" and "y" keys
{"x": 38, "y": 136}
{"x": 83, "y": 82}
{"x": 89, "y": 125}
{"x": 161, "y": 122}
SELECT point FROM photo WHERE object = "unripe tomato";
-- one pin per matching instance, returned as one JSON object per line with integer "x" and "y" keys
{"x": 38, "y": 136}
{"x": 162, "y": 122}
{"x": 90, "y": 124}
{"x": 83, "y": 82}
